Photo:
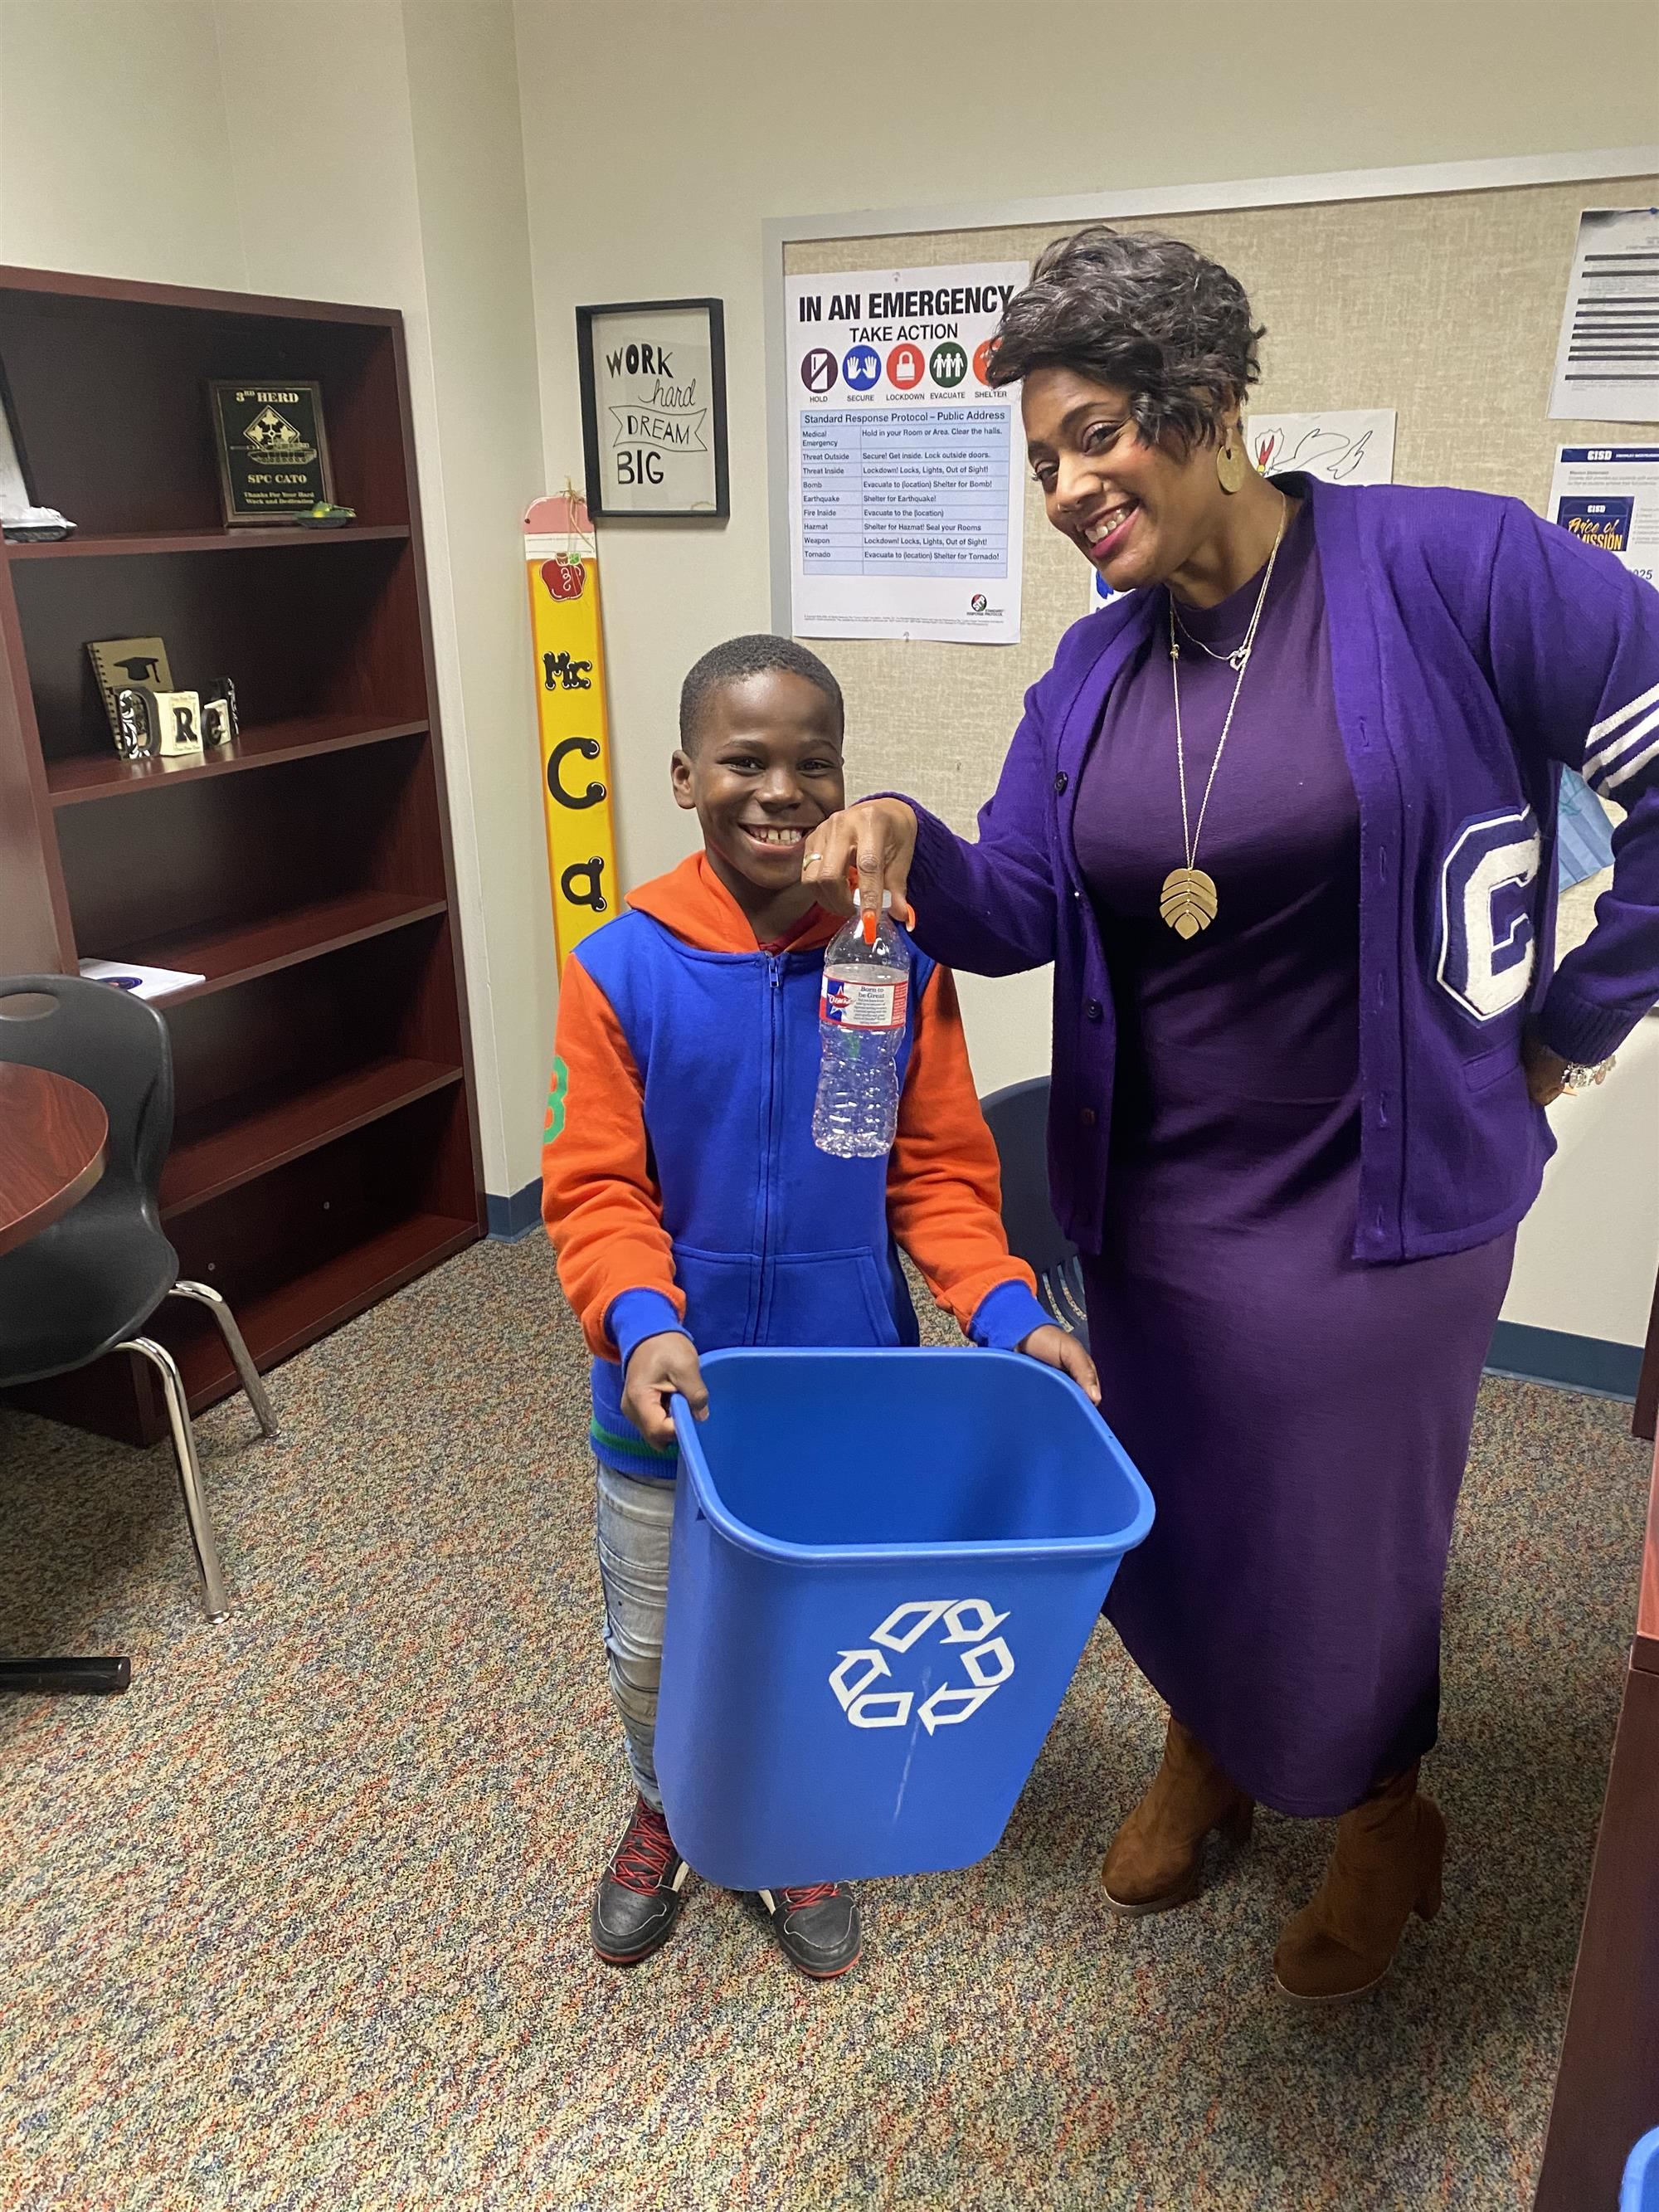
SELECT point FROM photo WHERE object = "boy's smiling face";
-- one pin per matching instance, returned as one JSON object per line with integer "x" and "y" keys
{"x": 763, "y": 769}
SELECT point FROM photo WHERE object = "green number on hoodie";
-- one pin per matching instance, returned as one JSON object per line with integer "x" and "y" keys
{"x": 554, "y": 1125}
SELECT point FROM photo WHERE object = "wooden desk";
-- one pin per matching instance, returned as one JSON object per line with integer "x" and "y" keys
{"x": 1607, "y": 2093}
{"x": 1645, "y": 1423}
{"x": 52, "y": 1135}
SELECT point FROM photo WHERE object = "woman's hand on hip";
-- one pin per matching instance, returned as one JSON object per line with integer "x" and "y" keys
{"x": 1058, "y": 1348}
{"x": 879, "y": 838}
{"x": 1545, "y": 1070}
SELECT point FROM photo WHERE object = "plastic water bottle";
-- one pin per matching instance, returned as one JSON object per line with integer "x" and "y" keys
{"x": 867, "y": 983}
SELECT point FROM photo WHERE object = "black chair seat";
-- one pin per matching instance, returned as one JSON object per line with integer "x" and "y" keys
{"x": 81, "y": 1287}
{"x": 1017, "y": 1118}
{"x": 89, "y": 1284}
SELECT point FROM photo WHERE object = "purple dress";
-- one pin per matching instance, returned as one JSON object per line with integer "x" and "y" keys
{"x": 1303, "y": 1420}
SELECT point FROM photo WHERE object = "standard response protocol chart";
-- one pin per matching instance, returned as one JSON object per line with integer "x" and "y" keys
{"x": 920, "y": 489}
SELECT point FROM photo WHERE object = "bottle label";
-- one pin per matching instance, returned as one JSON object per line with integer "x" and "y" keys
{"x": 863, "y": 1006}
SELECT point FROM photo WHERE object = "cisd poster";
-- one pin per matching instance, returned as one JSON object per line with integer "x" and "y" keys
{"x": 906, "y": 470}
{"x": 1609, "y": 496}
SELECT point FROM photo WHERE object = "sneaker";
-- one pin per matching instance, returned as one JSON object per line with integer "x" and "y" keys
{"x": 638, "y": 1898}
{"x": 816, "y": 1927}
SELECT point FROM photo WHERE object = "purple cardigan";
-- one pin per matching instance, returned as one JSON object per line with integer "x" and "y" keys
{"x": 1474, "y": 648}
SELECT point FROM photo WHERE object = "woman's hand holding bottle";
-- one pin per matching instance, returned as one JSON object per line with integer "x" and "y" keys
{"x": 872, "y": 844}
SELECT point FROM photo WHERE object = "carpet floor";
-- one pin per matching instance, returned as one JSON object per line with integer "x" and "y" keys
{"x": 300, "y": 1923}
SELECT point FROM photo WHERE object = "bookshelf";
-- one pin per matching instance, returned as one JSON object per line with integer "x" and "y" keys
{"x": 326, "y": 1146}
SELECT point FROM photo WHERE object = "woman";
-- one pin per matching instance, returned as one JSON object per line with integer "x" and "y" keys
{"x": 1284, "y": 818}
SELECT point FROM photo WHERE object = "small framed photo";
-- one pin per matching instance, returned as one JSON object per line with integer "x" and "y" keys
{"x": 653, "y": 409}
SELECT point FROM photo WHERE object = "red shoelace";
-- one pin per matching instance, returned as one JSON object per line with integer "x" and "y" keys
{"x": 643, "y": 1854}
{"x": 815, "y": 1893}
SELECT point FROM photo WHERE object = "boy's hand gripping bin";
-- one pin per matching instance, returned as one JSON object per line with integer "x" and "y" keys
{"x": 885, "y": 1566}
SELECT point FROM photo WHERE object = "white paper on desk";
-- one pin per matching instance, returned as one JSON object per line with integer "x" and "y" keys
{"x": 1609, "y": 496}
{"x": 151, "y": 983}
{"x": 1607, "y": 361}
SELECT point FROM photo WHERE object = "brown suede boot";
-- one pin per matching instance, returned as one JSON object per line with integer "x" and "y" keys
{"x": 1386, "y": 1866}
{"x": 1156, "y": 1856}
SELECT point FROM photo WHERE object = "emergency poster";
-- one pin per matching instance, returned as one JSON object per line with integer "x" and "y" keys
{"x": 907, "y": 472}
{"x": 570, "y": 712}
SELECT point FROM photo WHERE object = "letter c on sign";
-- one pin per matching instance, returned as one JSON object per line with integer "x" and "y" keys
{"x": 589, "y": 749}
{"x": 1488, "y": 944}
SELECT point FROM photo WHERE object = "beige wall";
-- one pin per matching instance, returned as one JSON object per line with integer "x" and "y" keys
{"x": 1584, "y": 1260}
{"x": 387, "y": 171}
{"x": 705, "y": 119}
{"x": 657, "y": 135}
{"x": 486, "y": 469}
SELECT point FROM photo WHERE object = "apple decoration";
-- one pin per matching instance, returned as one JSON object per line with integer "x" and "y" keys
{"x": 564, "y": 579}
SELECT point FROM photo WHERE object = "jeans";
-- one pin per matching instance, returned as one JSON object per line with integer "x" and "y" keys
{"x": 634, "y": 1519}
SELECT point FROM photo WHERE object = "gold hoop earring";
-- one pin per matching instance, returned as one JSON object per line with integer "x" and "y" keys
{"x": 1231, "y": 466}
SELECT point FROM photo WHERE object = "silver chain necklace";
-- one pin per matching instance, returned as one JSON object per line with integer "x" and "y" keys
{"x": 1235, "y": 656}
{"x": 1188, "y": 901}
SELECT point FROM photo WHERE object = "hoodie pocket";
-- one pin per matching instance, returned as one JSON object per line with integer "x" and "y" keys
{"x": 719, "y": 1295}
{"x": 829, "y": 1298}
{"x": 813, "y": 1298}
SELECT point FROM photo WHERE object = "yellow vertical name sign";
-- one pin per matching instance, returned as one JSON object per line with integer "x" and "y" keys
{"x": 575, "y": 742}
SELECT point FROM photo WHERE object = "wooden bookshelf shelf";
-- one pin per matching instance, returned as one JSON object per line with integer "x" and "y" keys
{"x": 123, "y": 542}
{"x": 220, "y": 1146}
{"x": 240, "y": 954}
{"x": 279, "y": 1321}
{"x": 325, "y": 1139}
{"x": 82, "y": 776}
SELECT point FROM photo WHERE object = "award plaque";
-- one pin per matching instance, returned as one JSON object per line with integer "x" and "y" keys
{"x": 272, "y": 451}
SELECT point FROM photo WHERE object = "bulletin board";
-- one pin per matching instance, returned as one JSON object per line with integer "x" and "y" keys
{"x": 1443, "y": 305}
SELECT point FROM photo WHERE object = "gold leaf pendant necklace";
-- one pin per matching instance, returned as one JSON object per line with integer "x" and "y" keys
{"x": 1188, "y": 901}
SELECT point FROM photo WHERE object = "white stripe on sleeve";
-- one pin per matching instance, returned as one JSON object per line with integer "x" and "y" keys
{"x": 1606, "y": 729}
{"x": 1612, "y": 755}
{"x": 1627, "y": 768}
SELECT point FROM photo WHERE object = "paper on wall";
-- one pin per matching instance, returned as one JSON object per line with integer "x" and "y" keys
{"x": 1583, "y": 833}
{"x": 1343, "y": 444}
{"x": 906, "y": 471}
{"x": 1607, "y": 361}
{"x": 1609, "y": 496}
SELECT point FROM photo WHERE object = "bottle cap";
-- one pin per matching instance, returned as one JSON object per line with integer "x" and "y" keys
{"x": 869, "y": 919}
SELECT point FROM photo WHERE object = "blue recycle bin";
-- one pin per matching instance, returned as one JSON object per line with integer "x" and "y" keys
{"x": 1641, "y": 2190}
{"x": 884, "y": 1568}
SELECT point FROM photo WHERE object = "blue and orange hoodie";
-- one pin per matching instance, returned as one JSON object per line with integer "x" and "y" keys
{"x": 680, "y": 1183}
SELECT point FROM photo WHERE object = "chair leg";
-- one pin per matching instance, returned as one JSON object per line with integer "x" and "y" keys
{"x": 214, "y": 1599}
{"x": 205, "y": 1295}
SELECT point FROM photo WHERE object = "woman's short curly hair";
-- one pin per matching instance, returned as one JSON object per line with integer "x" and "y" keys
{"x": 1149, "y": 314}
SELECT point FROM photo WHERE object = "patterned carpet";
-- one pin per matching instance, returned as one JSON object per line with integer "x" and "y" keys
{"x": 300, "y": 1922}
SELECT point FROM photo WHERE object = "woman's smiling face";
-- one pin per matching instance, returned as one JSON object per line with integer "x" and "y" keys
{"x": 1139, "y": 512}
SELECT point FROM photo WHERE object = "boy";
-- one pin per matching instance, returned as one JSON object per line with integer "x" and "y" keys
{"x": 690, "y": 1209}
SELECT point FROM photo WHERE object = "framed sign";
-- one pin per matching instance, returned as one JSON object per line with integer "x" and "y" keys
{"x": 653, "y": 409}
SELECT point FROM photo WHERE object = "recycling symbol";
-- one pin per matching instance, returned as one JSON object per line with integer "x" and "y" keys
{"x": 966, "y": 1621}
